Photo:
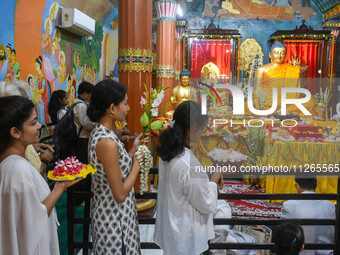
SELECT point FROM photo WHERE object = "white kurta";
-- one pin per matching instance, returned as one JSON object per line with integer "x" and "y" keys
{"x": 185, "y": 204}
{"x": 312, "y": 209}
{"x": 25, "y": 227}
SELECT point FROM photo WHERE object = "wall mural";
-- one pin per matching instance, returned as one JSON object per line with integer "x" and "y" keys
{"x": 256, "y": 9}
{"x": 61, "y": 61}
{"x": 110, "y": 45}
{"x": 259, "y": 28}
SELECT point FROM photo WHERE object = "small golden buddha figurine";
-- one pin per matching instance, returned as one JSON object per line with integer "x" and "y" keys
{"x": 181, "y": 92}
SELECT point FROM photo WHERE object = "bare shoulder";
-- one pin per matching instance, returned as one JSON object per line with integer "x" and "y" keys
{"x": 106, "y": 144}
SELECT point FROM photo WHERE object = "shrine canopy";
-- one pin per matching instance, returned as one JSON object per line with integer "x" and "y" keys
{"x": 212, "y": 51}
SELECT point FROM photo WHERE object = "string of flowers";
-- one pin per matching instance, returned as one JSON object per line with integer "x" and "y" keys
{"x": 145, "y": 164}
{"x": 262, "y": 96}
{"x": 324, "y": 96}
{"x": 150, "y": 103}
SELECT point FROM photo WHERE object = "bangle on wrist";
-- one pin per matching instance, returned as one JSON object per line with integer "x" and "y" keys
{"x": 127, "y": 138}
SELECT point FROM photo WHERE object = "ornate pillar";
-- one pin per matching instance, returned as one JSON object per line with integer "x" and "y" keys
{"x": 135, "y": 54}
{"x": 179, "y": 53}
{"x": 166, "y": 27}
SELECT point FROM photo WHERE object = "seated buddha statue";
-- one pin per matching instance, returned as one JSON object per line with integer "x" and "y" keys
{"x": 278, "y": 74}
{"x": 181, "y": 92}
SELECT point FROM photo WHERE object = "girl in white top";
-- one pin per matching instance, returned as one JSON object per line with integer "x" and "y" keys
{"x": 28, "y": 222}
{"x": 186, "y": 198}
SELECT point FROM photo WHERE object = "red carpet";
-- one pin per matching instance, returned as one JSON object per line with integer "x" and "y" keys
{"x": 251, "y": 208}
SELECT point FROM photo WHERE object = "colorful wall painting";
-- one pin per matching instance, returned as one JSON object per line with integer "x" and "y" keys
{"x": 33, "y": 49}
{"x": 110, "y": 45}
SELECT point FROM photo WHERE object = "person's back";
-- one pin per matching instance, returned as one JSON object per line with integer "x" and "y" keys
{"x": 186, "y": 197}
{"x": 82, "y": 121}
{"x": 185, "y": 208}
{"x": 311, "y": 209}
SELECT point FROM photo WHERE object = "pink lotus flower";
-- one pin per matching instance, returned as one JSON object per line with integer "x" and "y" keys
{"x": 142, "y": 101}
{"x": 69, "y": 166}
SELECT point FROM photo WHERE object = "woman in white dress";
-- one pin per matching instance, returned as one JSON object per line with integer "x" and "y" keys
{"x": 28, "y": 222}
{"x": 186, "y": 198}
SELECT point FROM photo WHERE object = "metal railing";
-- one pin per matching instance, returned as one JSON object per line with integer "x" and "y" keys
{"x": 86, "y": 246}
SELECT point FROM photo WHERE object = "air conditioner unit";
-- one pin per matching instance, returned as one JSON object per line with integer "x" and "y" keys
{"x": 74, "y": 21}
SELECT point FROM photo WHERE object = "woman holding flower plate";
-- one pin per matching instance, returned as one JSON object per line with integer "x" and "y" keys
{"x": 114, "y": 212}
{"x": 28, "y": 220}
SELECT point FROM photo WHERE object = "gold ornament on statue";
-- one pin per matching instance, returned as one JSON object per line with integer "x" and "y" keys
{"x": 297, "y": 62}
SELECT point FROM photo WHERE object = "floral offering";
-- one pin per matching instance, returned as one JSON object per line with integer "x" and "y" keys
{"x": 150, "y": 103}
{"x": 227, "y": 155}
{"x": 70, "y": 169}
{"x": 150, "y": 121}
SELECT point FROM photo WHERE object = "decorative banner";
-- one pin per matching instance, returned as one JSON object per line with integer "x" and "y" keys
{"x": 165, "y": 71}
{"x": 177, "y": 73}
{"x": 304, "y": 36}
{"x": 212, "y": 36}
{"x": 135, "y": 60}
{"x": 332, "y": 12}
{"x": 331, "y": 24}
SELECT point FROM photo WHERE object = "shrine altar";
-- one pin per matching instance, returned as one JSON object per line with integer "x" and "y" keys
{"x": 292, "y": 154}
{"x": 305, "y": 154}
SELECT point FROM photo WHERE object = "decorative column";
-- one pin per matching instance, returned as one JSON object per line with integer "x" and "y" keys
{"x": 166, "y": 27}
{"x": 135, "y": 54}
{"x": 179, "y": 54}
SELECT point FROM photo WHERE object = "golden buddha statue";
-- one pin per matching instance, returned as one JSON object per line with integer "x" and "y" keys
{"x": 181, "y": 92}
{"x": 278, "y": 74}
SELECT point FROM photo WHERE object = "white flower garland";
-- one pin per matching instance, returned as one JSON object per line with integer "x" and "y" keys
{"x": 145, "y": 165}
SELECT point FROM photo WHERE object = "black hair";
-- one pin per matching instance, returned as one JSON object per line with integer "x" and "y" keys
{"x": 185, "y": 72}
{"x": 54, "y": 105}
{"x": 104, "y": 94}
{"x": 14, "y": 111}
{"x": 172, "y": 141}
{"x": 277, "y": 45}
{"x": 288, "y": 238}
{"x": 307, "y": 183}
{"x": 85, "y": 87}
{"x": 29, "y": 78}
{"x": 13, "y": 51}
{"x": 39, "y": 61}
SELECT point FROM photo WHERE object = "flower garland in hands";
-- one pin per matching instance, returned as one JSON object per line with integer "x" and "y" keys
{"x": 148, "y": 120}
{"x": 145, "y": 164}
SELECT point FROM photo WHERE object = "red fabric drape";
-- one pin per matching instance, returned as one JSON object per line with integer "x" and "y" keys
{"x": 215, "y": 51}
{"x": 308, "y": 54}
